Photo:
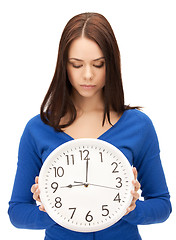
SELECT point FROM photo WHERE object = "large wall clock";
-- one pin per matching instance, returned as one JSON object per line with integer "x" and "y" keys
{"x": 85, "y": 185}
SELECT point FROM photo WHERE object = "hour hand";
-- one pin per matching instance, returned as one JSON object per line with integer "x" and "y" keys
{"x": 72, "y": 185}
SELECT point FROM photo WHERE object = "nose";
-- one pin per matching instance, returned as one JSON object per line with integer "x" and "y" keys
{"x": 88, "y": 74}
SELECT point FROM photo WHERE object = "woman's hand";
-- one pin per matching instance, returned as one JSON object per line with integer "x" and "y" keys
{"x": 36, "y": 194}
{"x": 134, "y": 193}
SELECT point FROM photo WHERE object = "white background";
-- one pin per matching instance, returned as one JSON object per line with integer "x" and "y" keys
{"x": 30, "y": 33}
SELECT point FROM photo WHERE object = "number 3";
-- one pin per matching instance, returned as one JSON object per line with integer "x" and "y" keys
{"x": 119, "y": 182}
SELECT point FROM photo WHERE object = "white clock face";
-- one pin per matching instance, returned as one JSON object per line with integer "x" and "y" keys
{"x": 85, "y": 185}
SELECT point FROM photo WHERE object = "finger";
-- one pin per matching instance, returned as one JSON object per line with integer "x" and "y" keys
{"x": 36, "y": 195}
{"x": 135, "y": 196}
{"x": 131, "y": 207}
{"x": 135, "y": 173}
{"x": 36, "y": 179}
{"x": 34, "y": 188}
{"x": 42, "y": 208}
{"x": 136, "y": 184}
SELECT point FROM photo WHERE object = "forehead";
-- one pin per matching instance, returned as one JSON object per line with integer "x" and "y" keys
{"x": 84, "y": 49}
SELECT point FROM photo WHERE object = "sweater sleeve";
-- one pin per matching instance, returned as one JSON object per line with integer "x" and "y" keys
{"x": 156, "y": 206}
{"x": 23, "y": 211}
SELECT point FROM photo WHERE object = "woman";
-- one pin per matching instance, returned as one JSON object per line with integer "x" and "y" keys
{"x": 86, "y": 99}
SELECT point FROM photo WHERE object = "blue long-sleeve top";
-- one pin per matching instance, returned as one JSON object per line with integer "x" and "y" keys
{"x": 135, "y": 136}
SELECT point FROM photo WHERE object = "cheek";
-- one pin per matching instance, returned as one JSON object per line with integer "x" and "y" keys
{"x": 72, "y": 76}
{"x": 102, "y": 77}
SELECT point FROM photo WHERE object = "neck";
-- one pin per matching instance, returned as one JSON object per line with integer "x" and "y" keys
{"x": 88, "y": 104}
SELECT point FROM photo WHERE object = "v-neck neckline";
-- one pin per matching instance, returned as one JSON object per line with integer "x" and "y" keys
{"x": 104, "y": 133}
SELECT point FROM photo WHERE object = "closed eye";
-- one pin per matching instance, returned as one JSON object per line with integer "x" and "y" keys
{"x": 76, "y": 66}
{"x": 99, "y": 65}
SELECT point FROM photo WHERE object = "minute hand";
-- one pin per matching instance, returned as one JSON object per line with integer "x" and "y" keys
{"x": 96, "y": 185}
{"x": 87, "y": 167}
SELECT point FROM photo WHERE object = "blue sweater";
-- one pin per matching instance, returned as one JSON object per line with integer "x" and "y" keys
{"x": 135, "y": 136}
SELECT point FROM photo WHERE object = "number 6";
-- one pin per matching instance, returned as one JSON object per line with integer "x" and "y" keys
{"x": 89, "y": 217}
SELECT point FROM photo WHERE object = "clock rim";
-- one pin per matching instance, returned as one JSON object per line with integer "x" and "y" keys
{"x": 65, "y": 224}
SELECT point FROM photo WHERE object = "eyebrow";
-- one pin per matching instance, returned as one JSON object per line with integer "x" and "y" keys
{"x": 80, "y": 60}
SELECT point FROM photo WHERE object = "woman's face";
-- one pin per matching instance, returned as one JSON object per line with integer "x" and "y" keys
{"x": 86, "y": 67}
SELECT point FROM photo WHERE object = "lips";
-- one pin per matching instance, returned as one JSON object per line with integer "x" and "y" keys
{"x": 88, "y": 86}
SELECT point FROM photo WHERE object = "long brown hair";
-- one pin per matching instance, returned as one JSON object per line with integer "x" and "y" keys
{"x": 57, "y": 101}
